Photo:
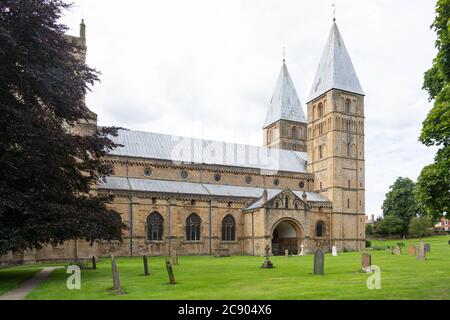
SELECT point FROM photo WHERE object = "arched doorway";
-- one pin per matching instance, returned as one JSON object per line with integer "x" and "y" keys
{"x": 285, "y": 236}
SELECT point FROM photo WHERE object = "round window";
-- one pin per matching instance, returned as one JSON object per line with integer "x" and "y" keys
{"x": 184, "y": 174}
{"x": 217, "y": 177}
{"x": 147, "y": 172}
{"x": 248, "y": 179}
{"x": 276, "y": 182}
{"x": 301, "y": 184}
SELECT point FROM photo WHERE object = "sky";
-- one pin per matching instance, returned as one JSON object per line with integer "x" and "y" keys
{"x": 207, "y": 69}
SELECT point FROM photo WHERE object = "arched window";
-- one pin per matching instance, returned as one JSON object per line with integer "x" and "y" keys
{"x": 228, "y": 228}
{"x": 155, "y": 223}
{"x": 320, "y": 229}
{"x": 320, "y": 152}
{"x": 286, "y": 202}
{"x": 347, "y": 106}
{"x": 294, "y": 133}
{"x": 193, "y": 224}
{"x": 320, "y": 110}
{"x": 277, "y": 204}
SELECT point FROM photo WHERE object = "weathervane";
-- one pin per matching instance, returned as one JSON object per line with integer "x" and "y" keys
{"x": 334, "y": 11}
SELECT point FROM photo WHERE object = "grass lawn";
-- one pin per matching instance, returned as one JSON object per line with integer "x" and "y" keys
{"x": 240, "y": 277}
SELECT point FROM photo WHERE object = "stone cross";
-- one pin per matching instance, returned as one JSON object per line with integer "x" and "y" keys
{"x": 427, "y": 248}
{"x": 319, "y": 262}
{"x": 366, "y": 262}
{"x": 115, "y": 275}
{"x": 334, "y": 251}
{"x": 144, "y": 258}
{"x": 302, "y": 250}
{"x": 170, "y": 272}
{"x": 267, "y": 264}
{"x": 421, "y": 254}
{"x": 412, "y": 250}
{"x": 94, "y": 263}
{"x": 397, "y": 250}
{"x": 174, "y": 257}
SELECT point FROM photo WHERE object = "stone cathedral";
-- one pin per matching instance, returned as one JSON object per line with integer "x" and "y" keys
{"x": 305, "y": 185}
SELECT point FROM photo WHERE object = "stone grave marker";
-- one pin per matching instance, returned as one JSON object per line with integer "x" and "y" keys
{"x": 366, "y": 262}
{"x": 267, "y": 264}
{"x": 319, "y": 262}
{"x": 170, "y": 272}
{"x": 334, "y": 251}
{"x": 427, "y": 248}
{"x": 397, "y": 250}
{"x": 421, "y": 254}
{"x": 94, "y": 263}
{"x": 115, "y": 275}
{"x": 302, "y": 250}
{"x": 286, "y": 253}
{"x": 412, "y": 250}
{"x": 145, "y": 260}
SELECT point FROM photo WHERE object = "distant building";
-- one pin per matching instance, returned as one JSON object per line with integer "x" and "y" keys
{"x": 442, "y": 225}
{"x": 371, "y": 220}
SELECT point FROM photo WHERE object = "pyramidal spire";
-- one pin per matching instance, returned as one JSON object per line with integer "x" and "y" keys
{"x": 335, "y": 69}
{"x": 284, "y": 104}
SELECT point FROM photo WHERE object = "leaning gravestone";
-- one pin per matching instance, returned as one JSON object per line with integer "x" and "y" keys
{"x": 145, "y": 260}
{"x": 267, "y": 264}
{"x": 115, "y": 275}
{"x": 421, "y": 255}
{"x": 319, "y": 262}
{"x": 366, "y": 262}
{"x": 170, "y": 272}
{"x": 412, "y": 250}
{"x": 334, "y": 251}
{"x": 397, "y": 250}
{"x": 427, "y": 248}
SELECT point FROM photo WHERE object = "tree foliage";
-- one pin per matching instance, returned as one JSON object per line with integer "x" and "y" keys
{"x": 389, "y": 225}
{"x": 420, "y": 227}
{"x": 46, "y": 173}
{"x": 433, "y": 189}
{"x": 400, "y": 202}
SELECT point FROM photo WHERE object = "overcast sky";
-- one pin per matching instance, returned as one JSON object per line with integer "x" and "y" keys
{"x": 207, "y": 68}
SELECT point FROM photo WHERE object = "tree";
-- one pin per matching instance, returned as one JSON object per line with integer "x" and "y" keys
{"x": 420, "y": 226}
{"x": 433, "y": 188}
{"x": 46, "y": 173}
{"x": 369, "y": 229}
{"x": 389, "y": 225}
{"x": 400, "y": 202}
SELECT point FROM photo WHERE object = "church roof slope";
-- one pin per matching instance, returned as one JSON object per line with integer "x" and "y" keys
{"x": 192, "y": 188}
{"x": 148, "y": 145}
{"x": 284, "y": 104}
{"x": 335, "y": 69}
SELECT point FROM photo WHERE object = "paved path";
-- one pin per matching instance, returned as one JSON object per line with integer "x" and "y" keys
{"x": 25, "y": 288}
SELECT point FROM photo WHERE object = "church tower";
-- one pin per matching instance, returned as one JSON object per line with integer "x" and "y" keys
{"x": 336, "y": 141}
{"x": 285, "y": 125}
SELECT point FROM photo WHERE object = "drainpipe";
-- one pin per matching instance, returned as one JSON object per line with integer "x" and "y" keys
{"x": 253, "y": 232}
{"x": 210, "y": 226}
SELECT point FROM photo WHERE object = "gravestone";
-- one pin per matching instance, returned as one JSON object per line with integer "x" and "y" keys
{"x": 286, "y": 253}
{"x": 174, "y": 258}
{"x": 427, "y": 248}
{"x": 319, "y": 262}
{"x": 412, "y": 250}
{"x": 267, "y": 264}
{"x": 421, "y": 255}
{"x": 145, "y": 260}
{"x": 302, "y": 250}
{"x": 397, "y": 250}
{"x": 334, "y": 251}
{"x": 170, "y": 272}
{"x": 366, "y": 262}
{"x": 94, "y": 263}
{"x": 115, "y": 275}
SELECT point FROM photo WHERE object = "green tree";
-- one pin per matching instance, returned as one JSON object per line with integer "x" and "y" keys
{"x": 400, "y": 202}
{"x": 46, "y": 173}
{"x": 420, "y": 227}
{"x": 369, "y": 229}
{"x": 389, "y": 225}
{"x": 433, "y": 187}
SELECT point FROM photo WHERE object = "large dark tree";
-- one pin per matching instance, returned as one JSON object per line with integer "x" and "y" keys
{"x": 46, "y": 173}
{"x": 433, "y": 185}
{"x": 401, "y": 203}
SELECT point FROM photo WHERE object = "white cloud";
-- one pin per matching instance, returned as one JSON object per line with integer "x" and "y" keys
{"x": 206, "y": 68}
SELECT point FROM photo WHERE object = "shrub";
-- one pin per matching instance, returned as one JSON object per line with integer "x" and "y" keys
{"x": 368, "y": 243}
